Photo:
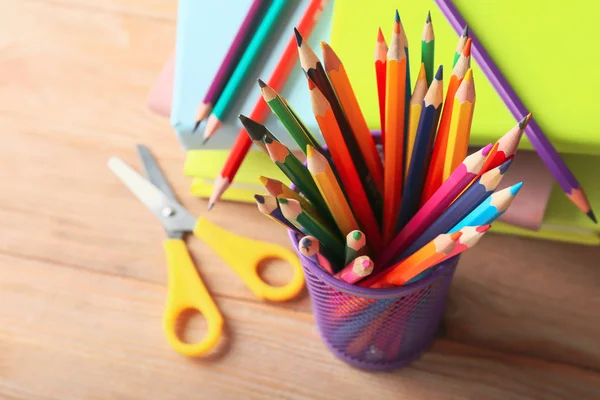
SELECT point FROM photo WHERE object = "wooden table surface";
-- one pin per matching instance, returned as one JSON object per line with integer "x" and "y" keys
{"x": 82, "y": 270}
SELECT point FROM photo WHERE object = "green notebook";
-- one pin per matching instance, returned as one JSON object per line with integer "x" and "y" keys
{"x": 543, "y": 50}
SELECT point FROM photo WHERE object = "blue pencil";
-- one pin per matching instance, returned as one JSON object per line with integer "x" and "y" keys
{"x": 491, "y": 209}
{"x": 476, "y": 194}
{"x": 421, "y": 154}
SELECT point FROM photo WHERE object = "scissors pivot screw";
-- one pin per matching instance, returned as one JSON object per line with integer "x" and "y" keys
{"x": 168, "y": 211}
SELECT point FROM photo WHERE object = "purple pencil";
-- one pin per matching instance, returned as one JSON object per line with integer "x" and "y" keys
{"x": 243, "y": 35}
{"x": 539, "y": 141}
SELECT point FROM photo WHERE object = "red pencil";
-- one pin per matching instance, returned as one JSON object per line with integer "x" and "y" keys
{"x": 261, "y": 110}
{"x": 381, "y": 49}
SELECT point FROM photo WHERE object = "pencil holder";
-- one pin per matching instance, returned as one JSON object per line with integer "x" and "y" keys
{"x": 377, "y": 329}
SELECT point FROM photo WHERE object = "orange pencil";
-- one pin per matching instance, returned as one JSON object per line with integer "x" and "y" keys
{"x": 395, "y": 97}
{"x": 460, "y": 125}
{"x": 343, "y": 88}
{"x": 381, "y": 50}
{"x": 416, "y": 105}
{"x": 428, "y": 256}
{"x": 436, "y": 167}
{"x": 345, "y": 167}
{"x": 261, "y": 110}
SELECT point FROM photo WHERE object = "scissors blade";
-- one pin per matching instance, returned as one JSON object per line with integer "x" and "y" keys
{"x": 171, "y": 214}
{"x": 153, "y": 172}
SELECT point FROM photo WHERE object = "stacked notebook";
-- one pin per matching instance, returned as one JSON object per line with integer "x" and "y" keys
{"x": 544, "y": 212}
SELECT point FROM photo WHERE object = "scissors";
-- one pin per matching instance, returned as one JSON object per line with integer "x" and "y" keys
{"x": 186, "y": 290}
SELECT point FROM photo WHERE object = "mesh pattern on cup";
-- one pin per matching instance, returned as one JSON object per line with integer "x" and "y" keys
{"x": 377, "y": 329}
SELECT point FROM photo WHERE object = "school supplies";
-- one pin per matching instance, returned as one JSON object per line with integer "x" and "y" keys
{"x": 186, "y": 289}
{"x": 240, "y": 41}
{"x": 245, "y": 65}
{"x": 280, "y": 74}
{"x": 540, "y": 142}
{"x": 381, "y": 49}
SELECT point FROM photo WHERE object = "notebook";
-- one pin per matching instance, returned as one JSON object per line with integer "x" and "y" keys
{"x": 202, "y": 39}
{"x": 535, "y": 44}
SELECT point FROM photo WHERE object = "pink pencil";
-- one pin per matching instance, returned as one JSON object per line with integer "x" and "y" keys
{"x": 356, "y": 270}
{"x": 462, "y": 176}
{"x": 243, "y": 35}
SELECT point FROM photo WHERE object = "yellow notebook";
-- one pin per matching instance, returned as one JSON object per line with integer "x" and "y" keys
{"x": 543, "y": 49}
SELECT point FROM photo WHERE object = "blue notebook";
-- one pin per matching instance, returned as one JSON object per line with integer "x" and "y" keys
{"x": 204, "y": 33}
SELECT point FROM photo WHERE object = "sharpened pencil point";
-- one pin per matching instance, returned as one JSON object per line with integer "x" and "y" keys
{"x": 483, "y": 228}
{"x": 428, "y": 20}
{"x": 504, "y": 166}
{"x": 467, "y": 49}
{"x": 380, "y": 37}
{"x": 439, "y": 75}
{"x": 298, "y": 37}
{"x": 592, "y": 216}
{"x": 259, "y": 198}
{"x": 465, "y": 32}
{"x": 515, "y": 188}
{"x": 196, "y": 126}
{"x": 468, "y": 75}
{"x": 523, "y": 123}
{"x": 456, "y": 235}
{"x": 210, "y": 206}
{"x": 261, "y": 83}
{"x": 356, "y": 235}
{"x": 397, "y": 17}
{"x": 267, "y": 140}
{"x": 205, "y": 140}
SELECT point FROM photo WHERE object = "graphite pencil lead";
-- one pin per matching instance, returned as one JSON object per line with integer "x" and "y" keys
{"x": 298, "y": 37}
{"x": 428, "y": 20}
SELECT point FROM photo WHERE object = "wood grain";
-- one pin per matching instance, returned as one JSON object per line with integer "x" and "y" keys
{"x": 82, "y": 270}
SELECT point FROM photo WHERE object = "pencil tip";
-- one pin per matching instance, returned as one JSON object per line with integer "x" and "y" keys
{"x": 380, "y": 37}
{"x": 467, "y": 48}
{"x": 523, "y": 122}
{"x": 439, "y": 75}
{"x": 592, "y": 216}
{"x": 261, "y": 83}
{"x": 428, "y": 20}
{"x": 298, "y": 37}
{"x": 514, "y": 189}
{"x": 468, "y": 75}
{"x": 483, "y": 228}
{"x": 504, "y": 166}
{"x": 205, "y": 140}
{"x": 397, "y": 17}
{"x": 259, "y": 198}
{"x": 356, "y": 235}
{"x": 465, "y": 32}
{"x": 454, "y": 236}
{"x": 268, "y": 140}
{"x": 197, "y": 125}
{"x": 210, "y": 206}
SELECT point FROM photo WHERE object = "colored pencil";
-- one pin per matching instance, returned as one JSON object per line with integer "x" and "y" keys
{"x": 257, "y": 132}
{"x": 317, "y": 76}
{"x": 469, "y": 238}
{"x": 421, "y": 154}
{"x": 279, "y": 107}
{"x": 408, "y": 87}
{"x": 461, "y": 207}
{"x": 461, "y": 44}
{"x": 416, "y": 105}
{"x": 460, "y": 124}
{"x": 356, "y": 245}
{"x": 296, "y": 172}
{"x": 539, "y": 141}
{"x": 435, "y": 172}
{"x": 252, "y": 52}
{"x": 428, "y": 256}
{"x": 277, "y": 188}
{"x": 394, "y": 128}
{"x": 507, "y": 145}
{"x": 435, "y": 206}
{"x": 491, "y": 209}
{"x": 260, "y": 112}
{"x": 241, "y": 39}
{"x": 332, "y": 193}
{"x": 356, "y": 270}
{"x": 345, "y": 167}
{"x": 343, "y": 89}
{"x": 381, "y": 50}
{"x": 428, "y": 48}
{"x": 306, "y": 222}
{"x": 309, "y": 247}
{"x": 268, "y": 206}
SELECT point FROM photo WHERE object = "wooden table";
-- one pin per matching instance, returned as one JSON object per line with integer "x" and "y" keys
{"x": 82, "y": 270}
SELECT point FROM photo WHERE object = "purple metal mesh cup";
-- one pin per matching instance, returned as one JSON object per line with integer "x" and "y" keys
{"x": 377, "y": 329}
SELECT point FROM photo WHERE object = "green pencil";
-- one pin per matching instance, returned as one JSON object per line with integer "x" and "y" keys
{"x": 294, "y": 213}
{"x": 245, "y": 66}
{"x": 461, "y": 43}
{"x": 296, "y": 172}
{"x": 356, "y": 246}
{"x": 290, "y": 121}
{"x": 257, "y": 132}
{"x": 427, "y": 49}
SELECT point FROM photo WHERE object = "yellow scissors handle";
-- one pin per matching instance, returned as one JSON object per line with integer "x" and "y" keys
{"x": 187, "y": 291}
{"x": 244, "y": 256}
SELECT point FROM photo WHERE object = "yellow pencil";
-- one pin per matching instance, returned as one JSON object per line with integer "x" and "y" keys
{"x": 330, "y": 190}
{"x": 416, "y": 105}
{"x": 460, "y": 124}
